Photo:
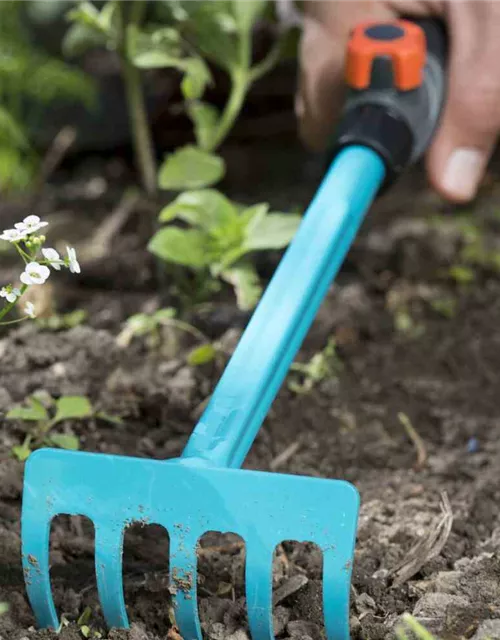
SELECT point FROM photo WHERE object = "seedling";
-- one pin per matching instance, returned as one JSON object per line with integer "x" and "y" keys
{"x": 150, "y": 326}
{"x": 58, "y": 322}
{"x": 323, "y": 365}
{"x": 85, "y": 627}
{"x": 221, "y": 234}
{"x": 418, "y": 631}
{"x": 45, "y": 413}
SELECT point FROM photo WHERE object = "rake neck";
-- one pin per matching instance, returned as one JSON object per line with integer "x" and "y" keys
{"x": 268, "y": 346}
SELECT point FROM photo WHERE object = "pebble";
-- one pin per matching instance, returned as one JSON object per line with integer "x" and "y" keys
{"x": 281, "y": 617}
{"x": 488, "y": 630}
{"x": 289, "y": 587}
{"x": 304, "y": 629}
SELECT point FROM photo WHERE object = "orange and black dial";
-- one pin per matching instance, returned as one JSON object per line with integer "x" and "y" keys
{"x": 381, "y": 54}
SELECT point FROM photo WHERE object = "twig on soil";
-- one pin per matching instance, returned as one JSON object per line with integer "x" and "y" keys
{"x": 429, "y": 547}
{"x": 283, "y": 457}
{"x": 60, "y": 146}
{"x": 416, "y": 439}
{"x": 99, "y": 244}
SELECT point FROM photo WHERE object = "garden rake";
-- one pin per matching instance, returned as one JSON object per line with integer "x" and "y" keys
{"x": 395, "y": 72}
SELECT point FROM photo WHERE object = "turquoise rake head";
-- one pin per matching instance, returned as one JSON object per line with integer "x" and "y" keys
{"x": 205, "y": 490}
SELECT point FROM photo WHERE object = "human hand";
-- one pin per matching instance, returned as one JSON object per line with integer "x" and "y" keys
{"x": 470, "y": 123}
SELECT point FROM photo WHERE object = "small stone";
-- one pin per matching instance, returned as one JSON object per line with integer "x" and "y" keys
{"x": 281, "y": 617}
{"x": 137, "y": 632}
{"x": 364, "y": 603}
{"x": 239, "y": 634}
{"x": 216, "y": 631}
{"x": 434, "y": 605}
{"x": 304, "y": 629}
{"x": 488, "y": 630}
{"x": 289, "y": 587}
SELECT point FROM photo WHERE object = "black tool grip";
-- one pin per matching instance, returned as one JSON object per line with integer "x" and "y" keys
{"x": 396, "y": 74}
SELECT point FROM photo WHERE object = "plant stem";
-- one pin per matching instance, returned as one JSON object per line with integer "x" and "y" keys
{"x": 239, "y": 87}
{"x": 143, "y": 145}
{"x": 240, "y": 84}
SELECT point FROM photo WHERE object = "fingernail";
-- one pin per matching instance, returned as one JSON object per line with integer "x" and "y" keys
{"x": 463, "y": 173}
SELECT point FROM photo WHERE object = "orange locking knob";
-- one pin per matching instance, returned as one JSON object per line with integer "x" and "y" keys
{"x": 402, "y": 42}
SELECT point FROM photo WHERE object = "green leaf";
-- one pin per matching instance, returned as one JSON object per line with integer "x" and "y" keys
{"x": 211, "y": 27}
{"x": 64, "y": 441}
{"x": 273, "y": 231}
{"x": 107, "y": 417}
{"x": 80, "y": 38}
{"x": 246, "y": 284}
{"x": 21, "y": 452}
{"x": 196, "y": 78}
{"x": 201, "y": 355}
{"x": 156, "y": 49}
{"x": 247, "y": 12}
{"x": 35, "y": 411}
{"x": 462, "y": 274}
{"x": 250, "y": 216}
{"x": 164, "y": 315}
{"x": 69, "y": 407}
{"x": 206, "y": 208}
{"x": 190, "y": 168}
{"x": 205, "y": 118}
{"x": 85, "y": 13}
{"x": 186, "y": 247}
{"x": 157, "y": 59}
{"x": 4, "y": 607}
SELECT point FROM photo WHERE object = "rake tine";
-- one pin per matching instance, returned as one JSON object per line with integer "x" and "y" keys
{"x": 183, "y": 563}
{"x": 108, "y": 566}
{"x": 35, "y": 558}
{"x": 336, "y": 585}
{"x": 259, "y": 591}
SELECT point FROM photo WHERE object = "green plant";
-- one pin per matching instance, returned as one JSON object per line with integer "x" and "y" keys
{"x": 221, "y": 234}
{"x": 4, "y": 607}
{"x": 149, "y": 326}
{"x": 27, "y": 240}
{"x": 477, "y": 248}
{"x": 45, "y": 413}
{"x": 57, "y": 322}
{"x": 189, "y": 36}
{"x": 409, "y": 623}
{"x": 322, "y": 365}
{"x": 29, "y": 81}
{"x": 84, "y": 624}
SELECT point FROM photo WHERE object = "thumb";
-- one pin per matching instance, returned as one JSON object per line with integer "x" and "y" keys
{"x": 469, "y": 129}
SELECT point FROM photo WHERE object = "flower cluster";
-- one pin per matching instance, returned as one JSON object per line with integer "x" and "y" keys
{"x": 29, "y": 244}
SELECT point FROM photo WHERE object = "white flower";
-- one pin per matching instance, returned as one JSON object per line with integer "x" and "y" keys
{"x": 74, "y": 267}
{"x": 35, "y": 273}
{"x": 53, "y": 258}
{"x": 10, "y": 293}
{"x": 30, "y": 224}
{"x": 13, "y": 235}
{"x": 29, "y": 310}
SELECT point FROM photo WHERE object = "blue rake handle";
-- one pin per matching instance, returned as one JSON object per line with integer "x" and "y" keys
{"x": 258, "y": 366}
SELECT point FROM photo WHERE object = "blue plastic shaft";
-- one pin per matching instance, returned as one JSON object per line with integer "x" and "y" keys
{"x": 268, "y": 346}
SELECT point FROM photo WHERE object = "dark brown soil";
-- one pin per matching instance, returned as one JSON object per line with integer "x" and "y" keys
{"x": 410, "y": 341}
